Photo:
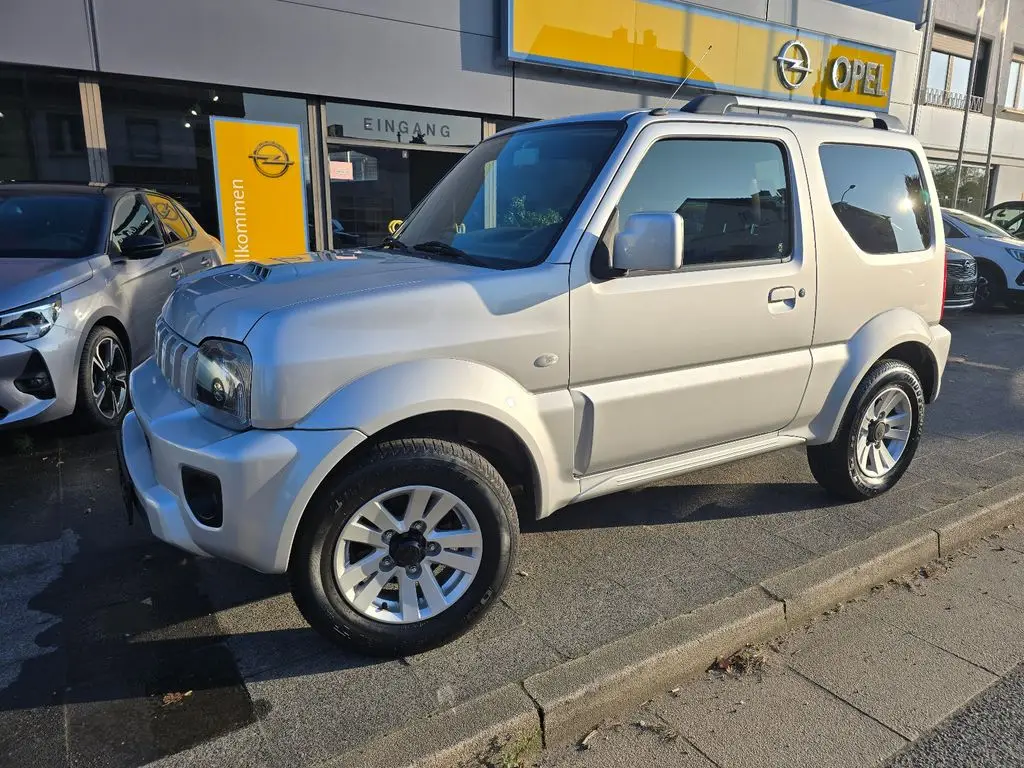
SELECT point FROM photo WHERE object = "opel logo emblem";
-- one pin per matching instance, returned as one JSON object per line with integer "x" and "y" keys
{"x": 271, "y": 159}
{"x": 793, "y": 64}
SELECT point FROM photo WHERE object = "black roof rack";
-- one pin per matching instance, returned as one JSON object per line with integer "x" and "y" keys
{"x": 720, "y": 104}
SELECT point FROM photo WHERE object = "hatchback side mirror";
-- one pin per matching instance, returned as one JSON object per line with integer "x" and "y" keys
{"x": 650, "y": 242}
{"x": 141, "y": 246}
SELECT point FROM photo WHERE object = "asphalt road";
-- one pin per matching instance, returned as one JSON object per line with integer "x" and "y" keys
{"x": 987, "y": 732}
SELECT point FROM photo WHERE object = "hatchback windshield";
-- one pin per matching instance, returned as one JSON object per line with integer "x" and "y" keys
{"x": 985, "y": 228}
{"x": 506, "y": 203}
{"x": 49, "y": 226}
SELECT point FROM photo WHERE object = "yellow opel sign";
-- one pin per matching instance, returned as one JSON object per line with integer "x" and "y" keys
{"x": 667, "y": 40}
{"x": 260, "y": 190}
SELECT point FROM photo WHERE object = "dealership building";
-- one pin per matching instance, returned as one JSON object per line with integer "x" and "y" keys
{"x": 386, "y": 95}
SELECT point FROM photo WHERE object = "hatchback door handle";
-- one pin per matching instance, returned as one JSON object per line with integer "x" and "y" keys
{"x": 175, "y": 272}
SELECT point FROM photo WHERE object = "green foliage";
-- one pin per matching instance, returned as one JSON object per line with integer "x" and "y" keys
{"x": 518, "y": 215}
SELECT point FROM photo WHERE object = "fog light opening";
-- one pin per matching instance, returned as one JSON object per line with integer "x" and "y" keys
{"x": 203, "y": 496}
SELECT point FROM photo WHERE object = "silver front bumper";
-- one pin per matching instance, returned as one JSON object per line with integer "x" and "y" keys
{"x": 266, "y": 477}
{"x": 59, "y": 351}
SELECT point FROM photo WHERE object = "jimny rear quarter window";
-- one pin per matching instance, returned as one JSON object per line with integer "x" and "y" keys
{"x": 880, "y": 197}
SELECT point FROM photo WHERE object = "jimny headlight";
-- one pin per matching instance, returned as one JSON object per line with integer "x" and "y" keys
{"x": 1017, "y": 253}
{"x": 223, "y": 382}
{"x": 31, "y": 321}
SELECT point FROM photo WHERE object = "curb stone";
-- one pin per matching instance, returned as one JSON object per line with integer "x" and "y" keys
{"x": 502, "y": 723}
{"x": 560, "y": 704}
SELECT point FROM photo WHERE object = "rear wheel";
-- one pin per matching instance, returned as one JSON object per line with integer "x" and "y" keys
{"x": 405, "y": 551}
{"x": 878, "y": 437}
{"x": 102, "y": 399}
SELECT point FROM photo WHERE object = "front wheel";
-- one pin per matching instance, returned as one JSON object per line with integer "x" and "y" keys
{"x": 404, "y": 552}
{"x": 878, "y": 436}
{"x": 991, "y": 287}
{"x": 102, "y": 398}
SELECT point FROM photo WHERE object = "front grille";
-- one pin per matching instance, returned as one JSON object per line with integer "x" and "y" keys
{"x": 962, "y": 270}
{"x": 176, "y": 358}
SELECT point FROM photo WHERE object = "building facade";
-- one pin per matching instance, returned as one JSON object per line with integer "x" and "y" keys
{"x": 389, "y": 93}
{"x": 998, "y": 94}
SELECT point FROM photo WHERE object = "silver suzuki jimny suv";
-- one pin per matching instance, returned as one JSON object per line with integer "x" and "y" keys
{"x": 580, "y": 306}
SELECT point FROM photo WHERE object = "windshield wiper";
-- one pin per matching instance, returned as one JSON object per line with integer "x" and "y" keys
{"x": 395, "y": 243}
{"x": 450, "y": 251}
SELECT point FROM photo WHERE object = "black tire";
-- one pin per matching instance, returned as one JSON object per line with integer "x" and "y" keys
{"x": 993, "y": 290}
{"x": 416, "y": 461}
{"x": 835, "y": 466}
{"x": 89, "y": 413}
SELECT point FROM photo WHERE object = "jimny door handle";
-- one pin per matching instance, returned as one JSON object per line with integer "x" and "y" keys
{"x": 175, "y": 272}
{"x": 781, "y": 299}
{"x": 783, "y": 293}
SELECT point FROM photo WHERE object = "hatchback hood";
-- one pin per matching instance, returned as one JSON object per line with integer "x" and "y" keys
{"x": 23, "y": 281}
{"x": 228, "y": 301}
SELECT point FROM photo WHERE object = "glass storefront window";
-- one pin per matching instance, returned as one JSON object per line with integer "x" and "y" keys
{"x": 42, "y": 134}
{"x": 374, "y": 188}
{"x": 973, "y": 186}
{"x": 158, "y": 136}
{"x": 383, "y": 161}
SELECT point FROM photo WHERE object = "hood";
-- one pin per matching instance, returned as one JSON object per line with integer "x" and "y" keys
{"x": 228, "y": 301}
{"x": 23, "y": 281}
{"x": 1007, "y": 242}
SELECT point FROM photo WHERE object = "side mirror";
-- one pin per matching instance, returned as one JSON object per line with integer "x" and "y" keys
{"x": 141, "y": 246}
{"x": 650, "y": 242}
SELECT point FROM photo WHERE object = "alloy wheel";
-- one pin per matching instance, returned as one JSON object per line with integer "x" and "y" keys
{"x": 884, "y": 432}
{"x": 109, "y": 378}
{"x": 408, "y": 554}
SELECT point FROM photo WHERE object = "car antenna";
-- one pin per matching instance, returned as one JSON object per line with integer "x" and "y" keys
{"x": 661, "y": 110}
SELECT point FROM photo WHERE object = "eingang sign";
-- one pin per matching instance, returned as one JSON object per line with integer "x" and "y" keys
{"x": 261, "y": 194}
{"x": 666, "y": 40}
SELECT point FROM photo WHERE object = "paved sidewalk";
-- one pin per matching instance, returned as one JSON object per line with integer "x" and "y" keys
{"x": 853, "y": 688}
{"x": 116, "y": 650}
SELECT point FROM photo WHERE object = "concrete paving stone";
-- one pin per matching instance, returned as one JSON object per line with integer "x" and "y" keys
{"x": 977, "y": 515}
{"x": 761, "y": 558}
{"x": 1012, "y": 538}
{"x": 958, "y": 618}
{"x": 828, "y": 534}
{"x": 573, "y": 611}
{"x": 269, "y": 633}
{"x": 693, "y": 584}
{"x": 244, "y": 748}
{"x": 33, "y": 738}
{"x": 953, "y": 450}
{"x": 857, "y": 659}
{"x": 970, "y": 478}
{"x": 314, "y": 709}
{"x": 783, "y": 720}
{"x": 651, "y": 745}
{"x": 473, "y": 666}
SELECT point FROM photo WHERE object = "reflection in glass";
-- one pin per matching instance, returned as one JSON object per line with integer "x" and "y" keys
{"x": 973, "y": 186}
{"x": 879, "y": 196}
{"x": 1013, "y": 95}
{"x": 733, "y": 197}
{"x": 507, "y": 201}
{"x": 42, "y": 134}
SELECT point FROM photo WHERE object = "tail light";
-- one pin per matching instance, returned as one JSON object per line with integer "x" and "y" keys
{"x": 945, "y": 279}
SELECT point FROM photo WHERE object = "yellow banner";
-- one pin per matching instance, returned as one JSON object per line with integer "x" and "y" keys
{"x": 260, "y": 190}
{"x": 666, "y": 40}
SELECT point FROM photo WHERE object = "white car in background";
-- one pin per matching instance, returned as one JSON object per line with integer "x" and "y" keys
{"x": 1000, "y": 257}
